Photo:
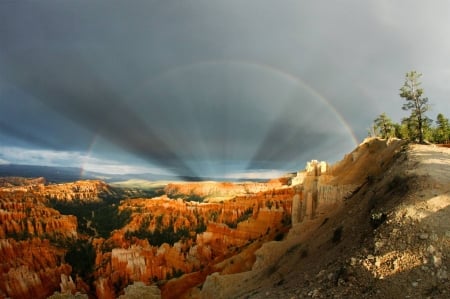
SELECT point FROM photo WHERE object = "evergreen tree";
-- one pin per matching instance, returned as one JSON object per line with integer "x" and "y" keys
{"x": 383, "y": 126}
{"x": 415, "y": 102}
{"x": 442, "y": 130}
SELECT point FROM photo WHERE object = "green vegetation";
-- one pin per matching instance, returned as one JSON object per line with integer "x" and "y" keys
{"x": 377, "y": 218}
{"x": 441, "y": 133}
{"x": 383, "y": 126}
{"x": 244, "y": 216}
{"x": 81, "y": 256}
{"x": 417, "y": 104}
{"x": 417, "y": 126}
{"x": 160, "y": 235}
{"x": 175, "y": 274}
{"x": 97, "y": 219}
{"x": 188, "y": 197}
{"x": 20, "y": 236}
{"x": 194, "y": 197}
{"x": 201, "y": 226}
{"x": 136, "y": 188}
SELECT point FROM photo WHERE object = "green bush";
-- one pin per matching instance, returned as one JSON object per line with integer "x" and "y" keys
{"x": 81, "y": 256}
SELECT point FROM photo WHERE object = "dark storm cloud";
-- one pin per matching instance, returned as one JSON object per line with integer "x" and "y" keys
{"x": 16, "y": 133}
{"x": 184, "y": 83}
{"x": 79, "y": 95}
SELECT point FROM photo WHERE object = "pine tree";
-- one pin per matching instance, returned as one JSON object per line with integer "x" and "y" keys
{"x": 442, "y": 131}
{"x": 383, "y": 126}
{"x": 415, "y": 102}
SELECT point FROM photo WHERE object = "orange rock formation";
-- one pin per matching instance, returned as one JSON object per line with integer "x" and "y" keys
{"x": 201, "y": 237}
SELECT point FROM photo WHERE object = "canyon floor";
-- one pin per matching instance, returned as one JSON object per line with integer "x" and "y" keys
{"x": 390, "y": 239}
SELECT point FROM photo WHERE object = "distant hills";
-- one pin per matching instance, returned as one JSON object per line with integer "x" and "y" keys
{"x": 57, "y": 174}
{"x": 52, "y": 174}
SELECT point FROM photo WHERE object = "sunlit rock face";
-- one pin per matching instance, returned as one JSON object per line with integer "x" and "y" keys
{"x": 31, "y": 268}
{"x": 322, "y": 187}
{"x": 317, "y": 191}
{"x": 175, "y": 239}
{"x": 33, "y": 236}
{"x": 31, "y": 265}
{"x": 24, "y": 214}
{"x": 211, "y": 233}
{"x": 84, "y": 191}
{"x": 218, "y": 189}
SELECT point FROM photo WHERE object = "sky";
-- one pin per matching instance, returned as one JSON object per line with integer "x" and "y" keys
{"x": 209, "y": 88}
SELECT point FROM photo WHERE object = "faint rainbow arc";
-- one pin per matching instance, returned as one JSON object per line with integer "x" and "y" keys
{"x": 87, "y": 155}
{"x": 297, "y": 80}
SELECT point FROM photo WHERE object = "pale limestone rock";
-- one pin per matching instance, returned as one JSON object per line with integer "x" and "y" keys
{"x": 316, "y": 192}
{"x": 67, "y": 285}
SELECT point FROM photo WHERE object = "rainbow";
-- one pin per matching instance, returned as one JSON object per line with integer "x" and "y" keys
{"x": 267, "y": 68}
{"x": 297, "y": 81}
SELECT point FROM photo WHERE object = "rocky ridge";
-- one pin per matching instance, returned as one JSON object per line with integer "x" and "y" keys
{"x": 387, "y": 236}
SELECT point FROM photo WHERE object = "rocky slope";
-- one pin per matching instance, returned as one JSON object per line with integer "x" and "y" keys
{"x": 385, "y": 235}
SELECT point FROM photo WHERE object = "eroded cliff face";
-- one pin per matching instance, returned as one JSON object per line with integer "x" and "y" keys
{"x": 34, "y": 237}
{"x": 323, "y": 187}
{"x": 221, "y": 189}
{"x": 175, "y": 242}
{"x": 30, "y": 268}
{"x": 24, "y": 214}
{"x": 80, "y": 191}
{"x": 206, "y": 234}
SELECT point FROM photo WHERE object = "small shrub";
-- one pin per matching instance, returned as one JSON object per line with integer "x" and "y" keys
{"x": 377, "y": 218}
{"x": 195, "y": 197}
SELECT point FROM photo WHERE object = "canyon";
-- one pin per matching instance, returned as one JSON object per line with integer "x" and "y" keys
{"x": 351, "y": 229}
{"x": 90, "y": 238}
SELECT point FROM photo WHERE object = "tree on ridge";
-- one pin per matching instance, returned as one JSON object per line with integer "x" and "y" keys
{"x": 442, "y": 131}
{"x": 415, "y": 102}
{"x": 383, "y": 126}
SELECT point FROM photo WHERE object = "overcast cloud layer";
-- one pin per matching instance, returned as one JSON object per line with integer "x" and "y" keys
{"x": 209, "y": 87}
